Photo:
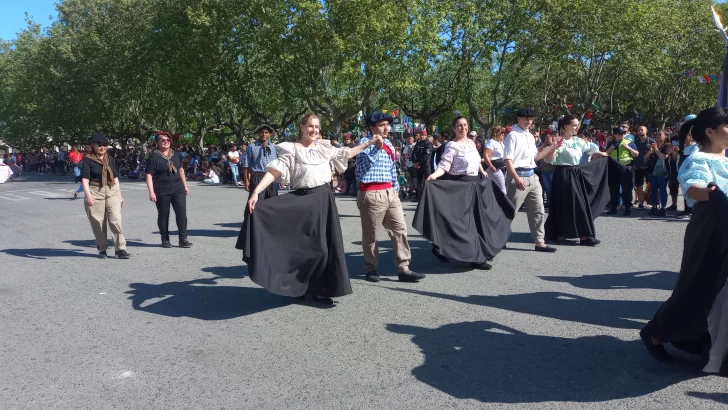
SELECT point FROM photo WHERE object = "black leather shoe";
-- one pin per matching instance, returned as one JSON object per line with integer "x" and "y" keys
{"x": 184, "y": 243}
{"x": 165, "y": 243}
{"x": 439, "y": 257}
{"x": 627, "y": 211}
{"x": 482, "y": 266}
{"x": 612, "y": 211}
{"x": 409, "y": 276}
{"x": 102, "y": 255}
{"x": 323, "y": 300}
{"x": 373, "y": 276}
{"x": 656, "y": 351}
{"x": 122, "y": 255}
{"x": 590, "y": 242}
{"x": 671, "y": 208}
{"x": 547, "y": 249}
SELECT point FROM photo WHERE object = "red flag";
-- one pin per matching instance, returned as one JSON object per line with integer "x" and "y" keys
{"x": 707, "y": 78}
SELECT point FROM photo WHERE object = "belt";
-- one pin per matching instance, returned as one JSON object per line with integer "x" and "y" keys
{"x": 258, "y": 173}
{"x": 97, "y": 184}
{"x": 306, "y": 191}
{"x": 525, "y": 172}
{"x": 374, "y": 186}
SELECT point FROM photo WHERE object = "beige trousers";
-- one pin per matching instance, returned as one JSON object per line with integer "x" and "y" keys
{"x": 382, "y": 207}
{"x": 533, "y": 197}
{"x": 106, "y": 209}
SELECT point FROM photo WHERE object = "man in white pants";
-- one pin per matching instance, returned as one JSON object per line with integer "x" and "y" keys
{"x": 522, "y": 184}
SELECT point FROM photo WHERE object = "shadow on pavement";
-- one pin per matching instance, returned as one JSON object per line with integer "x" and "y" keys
{"x": 422, "y": 261}
{"x": 228, "y": 272}
{"x": 492, "y": 363}
{"x": 212, "y": 233}
{"x": 45, "y": 253}
{"x": 201, "y": 299}
{"x": 621, "y": 314}
{"x": 716, "y": 397}
{"x": 235, "y": 225}
{"x": 632, "y": 280}
{"x": 131, "y": 243}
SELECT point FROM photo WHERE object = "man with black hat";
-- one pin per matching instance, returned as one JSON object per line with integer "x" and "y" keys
{"x": 623, "y": 151}
{"x": 257, "y": 157}
{"x": 522, "y": 184}
{"x": 378, "y": 200}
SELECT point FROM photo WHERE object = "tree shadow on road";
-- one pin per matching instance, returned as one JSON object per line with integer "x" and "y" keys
{"x": 45, "y": 253}
{"x": 203, "y": 299}
{"x": 621, "y": 314}
{"x": 631, "y": 280}
{"x": 716, "y": 397}
{"x": 492, "y": 363}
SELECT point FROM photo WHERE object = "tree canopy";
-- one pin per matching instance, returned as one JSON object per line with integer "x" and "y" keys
{"x": 218, "y": 68}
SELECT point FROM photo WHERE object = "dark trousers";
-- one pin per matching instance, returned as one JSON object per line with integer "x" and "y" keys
{"x": 621, "y": 178}
{"x": 178, "y": 200}
{"x": 423, "y": 172}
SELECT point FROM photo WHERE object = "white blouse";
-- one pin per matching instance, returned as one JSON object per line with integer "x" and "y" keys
{"x": 497, "y": 147}
{"x": 302, "y": 167}
{"x": 460, "y": 158}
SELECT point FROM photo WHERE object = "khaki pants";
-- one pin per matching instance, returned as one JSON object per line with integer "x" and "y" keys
{"x": 533, "y": 197}
{"x": 106, "y": 209}
{"x": 382, "y": 207}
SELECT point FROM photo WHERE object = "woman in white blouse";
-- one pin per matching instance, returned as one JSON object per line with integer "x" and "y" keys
{"x": 293, "y": 243}
{"x": 465, "y": 218}
{"x": 493, "y": 157}
{"x": 579, "y": 192}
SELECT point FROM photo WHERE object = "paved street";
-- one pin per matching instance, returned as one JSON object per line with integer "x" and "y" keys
{"x": 185, "y": 328}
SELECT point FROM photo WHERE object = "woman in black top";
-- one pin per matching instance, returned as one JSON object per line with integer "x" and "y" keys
{"x": 100, "y": 181}
{"x": 167, "y": 186}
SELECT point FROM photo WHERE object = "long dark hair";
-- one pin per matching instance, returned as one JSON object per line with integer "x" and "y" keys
{"x": 712, "y": 117}
{"x": 568, "y": 118}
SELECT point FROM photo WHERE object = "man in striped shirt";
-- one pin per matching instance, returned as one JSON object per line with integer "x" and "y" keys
{"x": 378, "y": 201}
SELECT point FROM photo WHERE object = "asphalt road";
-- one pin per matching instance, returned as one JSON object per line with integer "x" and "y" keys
{"x": 186, "y": 329}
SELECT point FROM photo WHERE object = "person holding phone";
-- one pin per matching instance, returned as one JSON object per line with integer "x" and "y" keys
{"x": 657, "y": 159}
{"x": 624, "y": 152}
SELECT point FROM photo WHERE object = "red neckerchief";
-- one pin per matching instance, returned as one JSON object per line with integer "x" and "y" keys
{"x": 386, "y": 148}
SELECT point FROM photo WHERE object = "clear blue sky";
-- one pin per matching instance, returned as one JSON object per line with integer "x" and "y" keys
{"x": 12, "y": 15}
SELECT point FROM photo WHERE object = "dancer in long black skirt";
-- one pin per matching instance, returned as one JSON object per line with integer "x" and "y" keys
{"x": 466, "y": 218}
{"x": 304, "y": 223}
{"x": 695, "y": 318}
{"x": 579, "y": 193}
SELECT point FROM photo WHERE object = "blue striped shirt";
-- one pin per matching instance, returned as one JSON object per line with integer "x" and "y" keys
{"x": 257, "y": 156}
{"x": 375, "y": 165}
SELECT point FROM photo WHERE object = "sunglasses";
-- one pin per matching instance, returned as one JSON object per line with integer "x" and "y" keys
{"x": 165, "y": 140}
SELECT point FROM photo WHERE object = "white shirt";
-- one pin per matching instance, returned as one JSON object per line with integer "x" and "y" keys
{"x": 520, "y": 147}
{"x": 302, "y": 167}
{"x": 213, "y": 176}
{"x": 497, "y": 148}
{"x": 407, "y": 152}
{"x": 460, "y": 158}
{"x": 233, "y": 157}
{"x": 5, "y": 173}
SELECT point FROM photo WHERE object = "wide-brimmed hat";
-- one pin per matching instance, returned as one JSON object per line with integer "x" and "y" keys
{"x": 379, "y": 116}
{"x": 262, "y": 127}
{"x": 100, "y": 138}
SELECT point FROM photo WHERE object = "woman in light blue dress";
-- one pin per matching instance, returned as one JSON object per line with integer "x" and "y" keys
{"x": 695, "y": 318}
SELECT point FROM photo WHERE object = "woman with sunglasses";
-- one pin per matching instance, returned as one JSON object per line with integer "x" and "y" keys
{"x": 168, "y": 186}
{"x": 103, "y": 202}
{"x": 493, "y": 157}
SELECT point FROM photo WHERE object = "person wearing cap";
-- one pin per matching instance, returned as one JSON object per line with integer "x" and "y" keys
{"x": 522, "y": 184}
{"x": 305, "y": 222}
{"x": 103, "y": 200}
{"x": 257, "y": 157}
{"x": 167, "y": 186}
{"x": 378, "y": 200}
{"x": 624, "y": 152}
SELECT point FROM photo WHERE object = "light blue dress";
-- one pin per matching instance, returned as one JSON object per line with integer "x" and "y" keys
{"x": 700, "y": 169}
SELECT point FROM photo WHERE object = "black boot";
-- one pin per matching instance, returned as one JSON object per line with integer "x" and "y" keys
{"x": 184, "y": 243}
{"x": 165, "y": 242}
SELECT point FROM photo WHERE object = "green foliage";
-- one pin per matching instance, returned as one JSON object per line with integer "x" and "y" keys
{"x": 215, "y": 69}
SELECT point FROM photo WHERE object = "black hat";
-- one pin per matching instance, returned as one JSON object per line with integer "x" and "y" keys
{"x": 100, "y": 138}
{"x": 263, "y": 127}
{"x": 525, "y": 112}
{"x": 619, "y": 130}
{"x": 379, "y": 116}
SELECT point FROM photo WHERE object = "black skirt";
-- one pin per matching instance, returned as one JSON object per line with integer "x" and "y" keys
{"x": 269, "y": 192}
{"x": 293, "y": 244}
{"x": 468, "y": 218}
{"x": 578, "y": 195}
{"x": 684, "y": 317}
